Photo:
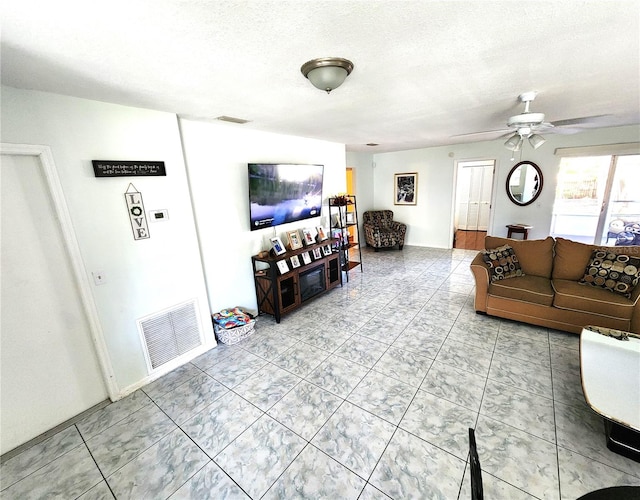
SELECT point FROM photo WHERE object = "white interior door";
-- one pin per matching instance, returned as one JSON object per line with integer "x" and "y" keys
{"x": 473, "y": 195}
{"x": 49, "y": 370}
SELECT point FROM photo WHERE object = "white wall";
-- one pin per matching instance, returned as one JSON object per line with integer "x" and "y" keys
{"x": 362, "y": 165}
{"x": 430, "y": 221}
{"x": 144, "y": 276}
{"x": 217, "y": 155}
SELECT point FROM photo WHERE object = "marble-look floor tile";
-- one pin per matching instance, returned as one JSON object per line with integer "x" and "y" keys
{"x": 355, "y": 438}
{"x": 580, "y": 475}
{"x": 305, "y": 409}
{"x": 413, "y": 468}
{"x": 567, "y": 389}
{"x": 38, "y": 456}
{"x": 301, "y": 358}
{"x": 337, "y": 375}
{"x": 210, "y": 483}
{"x": 566, "y": 360}
{"x": 315, "y": 475}
{"x": 267, "y": 386}
{"x": 440, "y": 422}
{"x": 406, "y": 366}
{"x": 582, "y": 431}
{"x": 99, "y": 492}
{"x": 458, "y": 386}
{"x": 524, "y": 349}
{"x": 381, "y": 331}
{"x": 372, "y": 493}
{"x": 524, "y": 375}
{"x": 213, "y": 356}
{"x": 520, "y": 409}
{"x": 191, "y": 397}
{"x": 493, "y": 487}
{"x": 564, "y": 339}
{"x": 160, "y": 470}
{"x": 171, "y": 380}
{"x": 259, "y": 455}
{"x": 476, "y": 335}
{"x": 328, "y": 340}
{"x": 465, "y": 357}
{"x": 518, "y": 458}
{"x": 362, "y": 350}
{"x": 236, "y": 368}
{"x": 221, "y": 422}
{"x": 68, "y": 476}
{"x": 122, "y": 442}
{"x": 529, "y": 332}
{"x": 99, "y": 420}
{"x": 423, "y": 343}
{"x": 383, "y": 396}
{"x": 268, "y": 346}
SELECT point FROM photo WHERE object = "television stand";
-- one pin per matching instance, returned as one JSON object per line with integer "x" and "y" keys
{"x": 281, "y": 293}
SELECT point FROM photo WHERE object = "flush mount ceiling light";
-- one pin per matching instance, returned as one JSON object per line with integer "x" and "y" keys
{"x": 327, "y": 73}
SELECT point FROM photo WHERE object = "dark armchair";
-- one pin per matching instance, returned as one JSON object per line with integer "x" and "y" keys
{"x": 381, "y": 231}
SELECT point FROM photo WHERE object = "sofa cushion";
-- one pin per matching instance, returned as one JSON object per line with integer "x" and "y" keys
{"x": 613, "y": 272}
{"x": 573, "y": 296}
{"x": 534, "y": 289}
{"x": 571, "y": 257}
{"x": 535, "y": 256}
{"x": 502, "y": 262}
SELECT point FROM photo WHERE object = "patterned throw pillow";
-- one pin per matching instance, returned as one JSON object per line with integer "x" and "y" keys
{"x": 502, "y": 262}
{"x": 616, "y": 273}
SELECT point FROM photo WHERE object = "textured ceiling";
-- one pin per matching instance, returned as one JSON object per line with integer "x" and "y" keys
{"x": 425, "y": 71}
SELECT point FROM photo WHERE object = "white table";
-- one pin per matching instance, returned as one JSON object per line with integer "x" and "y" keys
{"x": 610, "y": 373}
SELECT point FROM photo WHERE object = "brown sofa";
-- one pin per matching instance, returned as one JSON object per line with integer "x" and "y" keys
{"x": 549, "y": 294}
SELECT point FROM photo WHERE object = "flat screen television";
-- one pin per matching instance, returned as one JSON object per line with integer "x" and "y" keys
{"x": 280, "y": 193}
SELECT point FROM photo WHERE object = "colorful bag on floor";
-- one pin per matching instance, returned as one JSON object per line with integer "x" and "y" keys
{"x": 233, "y": 325}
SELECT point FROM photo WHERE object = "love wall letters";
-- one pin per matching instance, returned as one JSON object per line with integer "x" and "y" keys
{"x": 137, "y": 214}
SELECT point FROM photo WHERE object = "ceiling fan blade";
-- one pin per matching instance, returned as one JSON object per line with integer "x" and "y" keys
{"x": 595, "y": 119}
{"x": 486, "y": 132}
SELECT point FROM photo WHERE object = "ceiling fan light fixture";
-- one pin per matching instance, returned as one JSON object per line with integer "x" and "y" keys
{"x": 514, "y": 143}
{"x": 327, "y": 73}
{"x": 536, "y": 140}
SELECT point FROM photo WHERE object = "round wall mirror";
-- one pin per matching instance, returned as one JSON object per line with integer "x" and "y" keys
{"x": 524, "y": 183}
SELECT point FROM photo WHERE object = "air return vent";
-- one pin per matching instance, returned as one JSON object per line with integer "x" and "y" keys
{"x": 170, "y": 333}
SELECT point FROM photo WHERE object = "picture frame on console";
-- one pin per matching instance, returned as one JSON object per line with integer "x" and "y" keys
{"x": 351, "y": 217}
{"x": 321, "y": 234}
{"x": 308, "y": 237}
{"x": 306, "y": 258}
{"x": 405, "y": 187}
{"x": 295, "y": 261}
{"x": 283, "y": 267}
{"x": 294, "y": 240}
{"x": 317, "y": 253}
{"x": 326, "y": 250}
{"x": 277, "y": 246}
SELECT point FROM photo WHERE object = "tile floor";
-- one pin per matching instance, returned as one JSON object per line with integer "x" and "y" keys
{"x": 367, "y": 392}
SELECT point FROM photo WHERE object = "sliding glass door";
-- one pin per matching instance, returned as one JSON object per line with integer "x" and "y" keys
{"x": 598, "y": 200}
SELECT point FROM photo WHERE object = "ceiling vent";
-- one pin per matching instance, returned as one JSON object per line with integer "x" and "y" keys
{"x": 231, "y": 119}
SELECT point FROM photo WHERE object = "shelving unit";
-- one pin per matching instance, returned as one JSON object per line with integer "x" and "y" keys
{"x": 278, "y": 294}
{"x": 345, "y": 230}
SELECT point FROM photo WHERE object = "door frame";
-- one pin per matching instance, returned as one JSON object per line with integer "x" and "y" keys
{"x": 45, "y": 158}
{"x": 454, "y": 200}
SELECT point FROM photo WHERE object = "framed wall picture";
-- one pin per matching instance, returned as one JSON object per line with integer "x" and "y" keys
{"x": 276, "y": 244}
{"x": 321, "y": 234}
{"x": 306, "y": 258}
{"x": 282, "y": 266}
{"x": 295, "y": 261}
{"x": 326, "y": 249}
{"x": 317, "y": 253}
{"x": 294, "y": 240}
{"x": 308, "y": 237}
{"x": 405, "y": 189}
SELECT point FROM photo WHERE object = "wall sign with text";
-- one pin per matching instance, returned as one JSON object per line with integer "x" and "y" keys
{"x": 109, "y": 168}
{"x": 137, "y": 215}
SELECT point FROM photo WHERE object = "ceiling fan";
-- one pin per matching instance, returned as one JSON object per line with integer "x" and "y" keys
{"x": 529, "y": 125}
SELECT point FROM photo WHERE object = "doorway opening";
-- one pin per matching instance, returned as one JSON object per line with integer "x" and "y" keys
{"x": 474, "y": 189}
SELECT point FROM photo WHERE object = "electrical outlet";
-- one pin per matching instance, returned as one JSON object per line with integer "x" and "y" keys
{"x": 99, "y": 278}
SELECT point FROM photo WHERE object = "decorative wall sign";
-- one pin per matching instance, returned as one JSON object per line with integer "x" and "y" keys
{"x": 112, "y": 168}
{"x": 136, "y": 213}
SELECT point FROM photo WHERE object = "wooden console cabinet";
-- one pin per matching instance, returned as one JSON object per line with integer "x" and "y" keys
{"x": 278, "y": 294}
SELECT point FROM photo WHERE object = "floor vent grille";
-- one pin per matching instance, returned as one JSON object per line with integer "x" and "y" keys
{"x": 170, "y": 334}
